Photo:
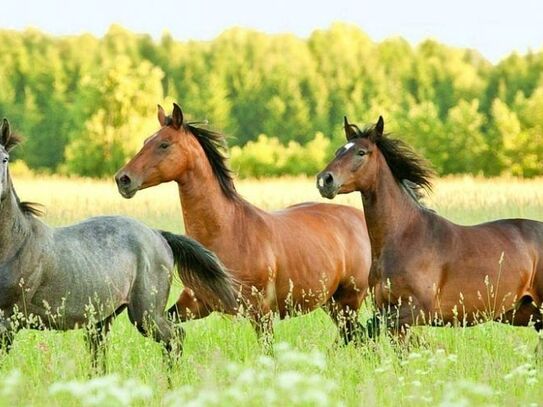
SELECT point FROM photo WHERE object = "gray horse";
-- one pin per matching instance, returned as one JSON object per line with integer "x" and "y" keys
{"x": 82, "y": 276}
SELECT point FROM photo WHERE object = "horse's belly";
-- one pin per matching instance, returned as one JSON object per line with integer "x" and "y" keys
{"x": 473, "y": 297}
{"x": 475, "y": 306}
{"x": 303, "y": 290}
{"x": 65, "y": 307}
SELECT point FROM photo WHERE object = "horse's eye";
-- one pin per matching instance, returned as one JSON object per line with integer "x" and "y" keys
{"x": 362, "y": 152}
{"x": 5, "y": 160}
{"x": 164, "y": 146}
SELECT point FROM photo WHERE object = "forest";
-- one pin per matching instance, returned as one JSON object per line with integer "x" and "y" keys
{"x": 85, "y": 104}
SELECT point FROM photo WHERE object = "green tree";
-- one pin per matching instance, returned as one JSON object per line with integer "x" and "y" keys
{"x": 509, "y": 140}
{"x": 84, "y": 102}
{"x": 466, "y": 143}
{"x": 123, "y": 117}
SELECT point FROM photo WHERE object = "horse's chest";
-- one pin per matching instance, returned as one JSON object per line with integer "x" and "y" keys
{"x": 383, "y": 268}
{"x": 376, "y": 273}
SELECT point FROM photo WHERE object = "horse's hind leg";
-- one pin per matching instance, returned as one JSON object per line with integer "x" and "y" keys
{"x": 95, "y": 337}
{"x": 188, "y": 306}
{"x": 147, "y": 312}
{"x": 146, "y": 309}
{"x": 343, "y": 309}
{"x": 150, "y": 324}
{"x": 7, "y": 334}
{"x": 527, "y": 313}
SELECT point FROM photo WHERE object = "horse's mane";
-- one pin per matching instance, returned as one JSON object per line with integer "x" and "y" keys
{"x": 403, "y": 161}
{"x": 28, "y": 208}
{"x": 13, "y": 141}
{"x": 214, "y": 146}
{"x": 415, "y": 192}
{"x": 31, "y": 208}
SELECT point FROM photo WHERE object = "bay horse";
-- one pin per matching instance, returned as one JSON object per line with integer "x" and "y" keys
{"x": 426, "y": 269}
{"x": 294, "y": 260}
{"x": 82, "y": 276}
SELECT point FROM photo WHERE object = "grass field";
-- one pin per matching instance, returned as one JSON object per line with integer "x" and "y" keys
{"x": 223, "y": 364}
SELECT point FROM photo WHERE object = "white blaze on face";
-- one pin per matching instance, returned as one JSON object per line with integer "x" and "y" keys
{"x": 321, "y": 182}
{"x": 345, "y": 148}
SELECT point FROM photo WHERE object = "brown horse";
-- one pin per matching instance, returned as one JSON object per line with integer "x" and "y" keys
{"x": 296, "y": 259}
{"x": 426, "y": 269}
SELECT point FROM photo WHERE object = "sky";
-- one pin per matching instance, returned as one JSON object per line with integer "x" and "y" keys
{"x": 495, "y": 28}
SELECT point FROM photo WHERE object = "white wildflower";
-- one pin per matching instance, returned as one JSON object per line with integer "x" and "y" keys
{"x": 106, "y": 390}
{"x": 10, "y": 383}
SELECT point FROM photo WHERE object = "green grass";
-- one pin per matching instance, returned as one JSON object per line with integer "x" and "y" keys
{"x": 223, "y": 364}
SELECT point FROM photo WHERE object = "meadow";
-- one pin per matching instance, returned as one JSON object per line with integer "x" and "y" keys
{"x": 223, "y": 363}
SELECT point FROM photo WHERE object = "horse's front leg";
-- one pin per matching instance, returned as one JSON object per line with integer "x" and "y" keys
{"x": 262, "y": 322}
{"x": 95, "y": 337}
{"x": 396, "y": 319}
{"x": 7, "y": 334}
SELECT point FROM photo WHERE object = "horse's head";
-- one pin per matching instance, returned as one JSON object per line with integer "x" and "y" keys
{"x": 164, "y": 157}
{"x": 7, "y": 142}
{"x": 355, "y": 165}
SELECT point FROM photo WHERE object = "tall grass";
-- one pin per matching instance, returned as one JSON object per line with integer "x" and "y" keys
{"x": 223, "y": 363}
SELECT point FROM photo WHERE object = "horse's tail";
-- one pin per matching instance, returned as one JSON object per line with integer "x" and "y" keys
{"x": 201, "y": 270}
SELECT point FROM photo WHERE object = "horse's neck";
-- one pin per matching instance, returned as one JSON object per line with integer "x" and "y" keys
{"x": 388, "y": 210}
{"x": 207, "y": 211}
{"x": 14, "y": 228}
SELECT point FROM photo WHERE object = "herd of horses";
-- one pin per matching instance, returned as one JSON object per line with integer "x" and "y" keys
{"x": 239, "y": 259}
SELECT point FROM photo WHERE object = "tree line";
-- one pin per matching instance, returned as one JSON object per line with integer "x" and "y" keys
{"x": 85, "y": 104}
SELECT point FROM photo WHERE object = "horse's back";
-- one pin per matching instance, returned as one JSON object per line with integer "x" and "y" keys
{"x": 116, "y": 249}
{"x": 512, "y": 235}
{"x": 111, "y": 232}
{"x": 323, "y": 212}
{"x": 107, "y": 238}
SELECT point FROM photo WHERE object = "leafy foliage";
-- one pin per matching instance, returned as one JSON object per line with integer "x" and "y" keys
{"x": 86, "y": 103}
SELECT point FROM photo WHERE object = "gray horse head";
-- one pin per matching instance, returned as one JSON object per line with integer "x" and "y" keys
{"x": 7, "y": 142}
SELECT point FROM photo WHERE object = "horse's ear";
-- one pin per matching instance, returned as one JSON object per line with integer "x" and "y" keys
{"x": 379, "y": 127}
{"x": 177, "y": 116}
{"x": 5, "y": 133}
{"x": 350, "y": 132}
{"x": 161, "y": 116}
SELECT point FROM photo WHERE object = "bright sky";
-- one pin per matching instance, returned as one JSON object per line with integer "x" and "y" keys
{"x": 495, "y": 28}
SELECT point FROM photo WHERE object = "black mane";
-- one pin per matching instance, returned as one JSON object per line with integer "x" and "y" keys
{"x": 13, "y": 141}
{"x": 403, "y": 161}
{"x": 28, "y": 208}
{"x": 214, "y": 145}
{"x": 31, "y": 208}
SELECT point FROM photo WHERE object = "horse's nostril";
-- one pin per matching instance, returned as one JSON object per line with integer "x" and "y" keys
{"x": 124, "y": 180}
{"x": 328, "y": 179}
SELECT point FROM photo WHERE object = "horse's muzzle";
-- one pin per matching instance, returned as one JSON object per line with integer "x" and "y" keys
{"x": 125, "y": 185}
{"x": 327, "y": 185}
